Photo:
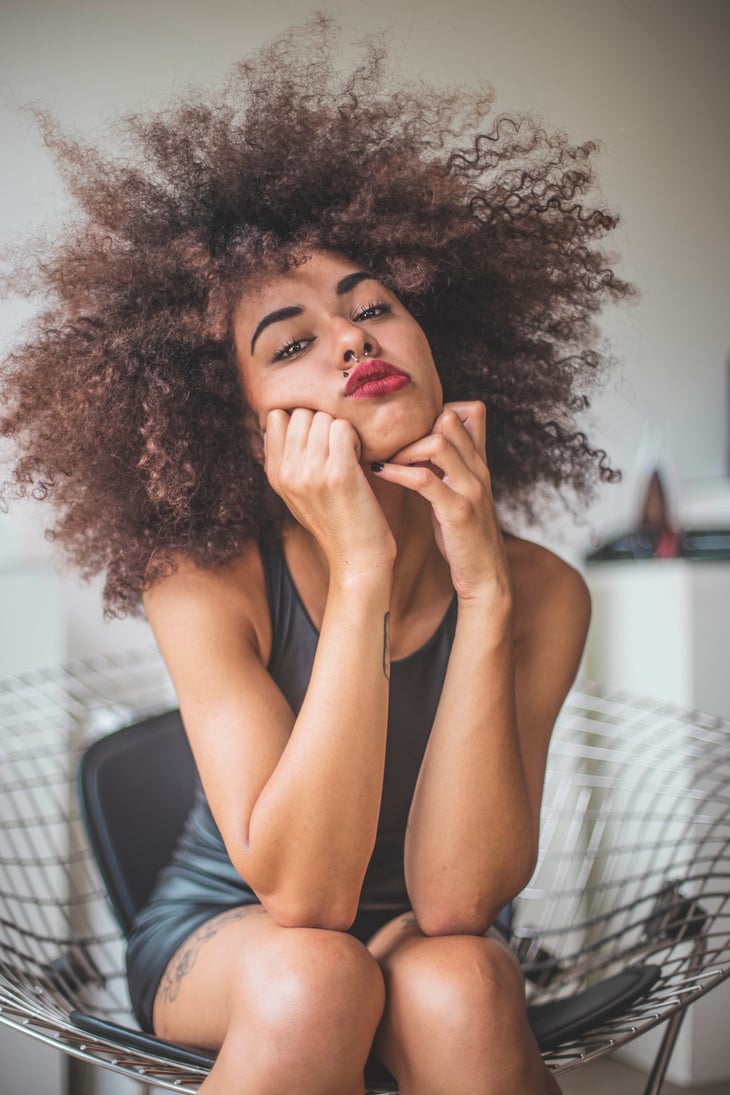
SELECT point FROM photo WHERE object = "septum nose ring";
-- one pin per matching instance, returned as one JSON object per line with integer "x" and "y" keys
{"x": 351, "y": 356}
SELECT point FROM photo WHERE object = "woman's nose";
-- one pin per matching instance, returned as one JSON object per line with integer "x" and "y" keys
{"x": 353, "y": 344}
{"x": 350, "y": 357}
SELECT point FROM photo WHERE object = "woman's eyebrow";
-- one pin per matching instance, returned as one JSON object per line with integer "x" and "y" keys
{"x": 344, "y": 285}
{"x": 351, "y": 280}
{"x": 275, "y": 317}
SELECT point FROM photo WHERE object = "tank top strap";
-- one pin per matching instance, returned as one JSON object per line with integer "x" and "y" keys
{"x": 278, "y": 594}
{"x": 293, "y": 635}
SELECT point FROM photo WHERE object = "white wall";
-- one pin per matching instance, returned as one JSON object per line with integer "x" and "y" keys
{"x": 648, "y": 77}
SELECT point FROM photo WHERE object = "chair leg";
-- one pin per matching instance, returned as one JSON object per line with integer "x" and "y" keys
{"x": 80, "y": 1076}
{"x": 664, "y": 1053}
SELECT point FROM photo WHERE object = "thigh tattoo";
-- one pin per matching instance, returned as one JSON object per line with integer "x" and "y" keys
{"x": 186, "y": 957}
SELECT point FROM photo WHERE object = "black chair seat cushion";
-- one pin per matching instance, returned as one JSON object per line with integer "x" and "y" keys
{"x": 559, "y": 1021}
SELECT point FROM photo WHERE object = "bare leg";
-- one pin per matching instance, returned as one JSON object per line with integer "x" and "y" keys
{"x": 290, "y": 1009}
{"x": 455, "y": 1016}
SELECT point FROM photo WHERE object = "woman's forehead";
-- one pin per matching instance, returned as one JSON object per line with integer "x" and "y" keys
{"x": 319, "y": 269}
{"x": 319, "y": 274}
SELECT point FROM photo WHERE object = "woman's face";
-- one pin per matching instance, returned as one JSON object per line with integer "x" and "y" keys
{"x": 329, "y": 337}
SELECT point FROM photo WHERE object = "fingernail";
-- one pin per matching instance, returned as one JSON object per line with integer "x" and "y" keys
{"x": 377, "y": 466}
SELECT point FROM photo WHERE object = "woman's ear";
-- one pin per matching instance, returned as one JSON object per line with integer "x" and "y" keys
{"x": 255, "y": 435}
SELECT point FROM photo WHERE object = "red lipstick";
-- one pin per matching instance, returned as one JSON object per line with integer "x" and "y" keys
{"x": 374, "y": 378}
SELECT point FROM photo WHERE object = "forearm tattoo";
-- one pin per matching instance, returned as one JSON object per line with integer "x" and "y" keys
{"x": 386, "y": 645}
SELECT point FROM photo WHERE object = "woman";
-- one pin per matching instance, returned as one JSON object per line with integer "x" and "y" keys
{"x": 258, "y": 401}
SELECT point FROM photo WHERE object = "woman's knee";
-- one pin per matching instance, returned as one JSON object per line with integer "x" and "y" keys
{"x": 304, "y": 1008}
{"x": 302, "y": 976}
{"x": 456, "y": 1004}
{"x": 457, "y": 981}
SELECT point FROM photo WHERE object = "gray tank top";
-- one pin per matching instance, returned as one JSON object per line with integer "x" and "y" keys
{"x": 202, "y": 871}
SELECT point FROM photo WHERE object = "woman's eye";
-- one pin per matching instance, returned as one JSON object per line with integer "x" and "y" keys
{"x": 290, "y": 349}
{"x": 372, "y": 311}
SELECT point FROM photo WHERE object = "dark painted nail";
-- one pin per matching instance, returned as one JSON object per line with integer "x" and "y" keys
{"x": 376, "y": 466}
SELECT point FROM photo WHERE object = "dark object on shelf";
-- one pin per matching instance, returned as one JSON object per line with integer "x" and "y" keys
{"x": 655, "y": 535}
{"x": 655, "y": 518}
{"x": 705, "y": 543}
{"x": 648, "y": 543}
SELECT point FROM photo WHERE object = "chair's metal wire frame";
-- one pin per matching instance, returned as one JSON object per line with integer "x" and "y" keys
{"x": 634, "y": 867}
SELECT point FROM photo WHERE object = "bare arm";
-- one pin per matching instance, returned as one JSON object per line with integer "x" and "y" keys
{"x": 473, "y": 826}
{"x": 474, "y": 821}
{"x": 296, "y": 800}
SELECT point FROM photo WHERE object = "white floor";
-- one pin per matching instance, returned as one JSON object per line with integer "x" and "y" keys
{"x": 607, "y": 1077}
{"x": 29, "y": 1068}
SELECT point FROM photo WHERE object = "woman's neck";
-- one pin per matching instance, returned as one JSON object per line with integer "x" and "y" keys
{"x": 421, "y": 573}
{"x": 422, "y": 586}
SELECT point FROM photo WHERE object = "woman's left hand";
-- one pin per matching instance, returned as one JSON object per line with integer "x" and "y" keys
{"x": 449, "y": 469}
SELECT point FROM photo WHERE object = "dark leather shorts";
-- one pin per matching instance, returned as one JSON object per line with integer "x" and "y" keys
{"x": 162, "y": 928}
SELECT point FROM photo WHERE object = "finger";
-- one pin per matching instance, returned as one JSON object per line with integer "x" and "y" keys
{"x": 472, "y": 415}
{"x": 423, "y": 480}
{"x": 454, "y": 508}
{"x": 277, "y": 422}
{"x": 459, "y": 465}
{"x": 451, "y": 427}
{"x": 436, "y": 449}
{"x": 317, "y": 444}
{"x": 287, "y": 437}
{"x": 297, "y": 433}
{"x": 344, "y": 440}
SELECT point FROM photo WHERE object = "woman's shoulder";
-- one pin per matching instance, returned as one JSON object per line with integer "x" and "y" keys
{"x": 548, "y": 592}
{"x": 192, "y": 600}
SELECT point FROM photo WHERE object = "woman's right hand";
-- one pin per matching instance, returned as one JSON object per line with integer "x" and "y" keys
{"x": 312, "y": 462}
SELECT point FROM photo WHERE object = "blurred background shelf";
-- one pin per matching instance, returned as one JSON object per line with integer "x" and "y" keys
{"x": 661, "y": 627}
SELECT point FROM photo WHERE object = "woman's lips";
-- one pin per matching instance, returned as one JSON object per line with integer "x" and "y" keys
{"x": 374, "y": 378}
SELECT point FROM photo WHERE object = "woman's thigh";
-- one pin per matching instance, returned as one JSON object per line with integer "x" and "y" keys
{"x": 241, "y": 967}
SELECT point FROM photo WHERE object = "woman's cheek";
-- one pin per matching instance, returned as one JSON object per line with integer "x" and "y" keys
{"x": 311, "y": 397}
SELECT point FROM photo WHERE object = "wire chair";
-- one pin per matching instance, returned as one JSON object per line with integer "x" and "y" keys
{"x": 634, "y": 869}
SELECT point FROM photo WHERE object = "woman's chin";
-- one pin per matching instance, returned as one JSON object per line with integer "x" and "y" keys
{"x": 379, "y": 454}
{"x": 384, "y": 446}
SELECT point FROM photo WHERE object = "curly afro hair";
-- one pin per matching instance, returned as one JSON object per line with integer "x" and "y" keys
{"x": 124, "y": 403}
